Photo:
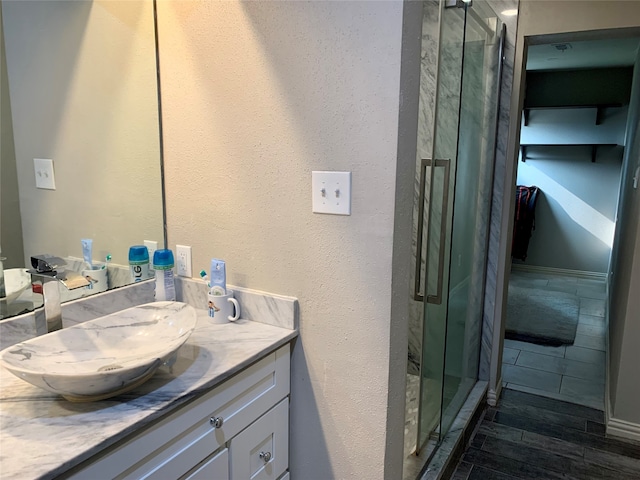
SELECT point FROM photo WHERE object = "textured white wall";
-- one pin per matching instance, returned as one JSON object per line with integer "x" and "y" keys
{"x": 256, "y": 95}
{"x": 82, "y": 81}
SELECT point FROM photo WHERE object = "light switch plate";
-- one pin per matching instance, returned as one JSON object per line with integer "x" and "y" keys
{"x": 44, "y": 173}
{"x": 331, "y": 192}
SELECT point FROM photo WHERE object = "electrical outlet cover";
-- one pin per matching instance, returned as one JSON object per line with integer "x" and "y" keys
{"x": 183, "y": 261}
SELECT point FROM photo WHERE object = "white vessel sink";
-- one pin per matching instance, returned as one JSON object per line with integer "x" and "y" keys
{"x": 16, "y": 281}
{"x": 106, "y": 356}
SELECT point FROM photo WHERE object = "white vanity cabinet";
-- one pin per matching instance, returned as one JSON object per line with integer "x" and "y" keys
{"x": 237, "y": 431}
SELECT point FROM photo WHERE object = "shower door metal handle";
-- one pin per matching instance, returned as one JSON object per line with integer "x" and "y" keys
{"x": 424, "y": 163}
{"x": 417, "y": 296}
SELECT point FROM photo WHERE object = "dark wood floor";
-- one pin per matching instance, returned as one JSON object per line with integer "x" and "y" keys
{"x": 528, "y": 436}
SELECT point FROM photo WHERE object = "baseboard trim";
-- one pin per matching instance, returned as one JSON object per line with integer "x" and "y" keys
{"x": 494, "y": 395}
{"x": 558, "y": 271}
{"x": 622, "y": 428}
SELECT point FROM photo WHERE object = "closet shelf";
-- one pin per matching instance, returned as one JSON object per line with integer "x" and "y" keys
{"x": 594, "y": 147}
{"x": 600, "y": 107}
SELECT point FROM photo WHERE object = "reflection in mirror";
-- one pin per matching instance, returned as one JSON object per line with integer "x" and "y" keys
{"x": 78, "y": 86}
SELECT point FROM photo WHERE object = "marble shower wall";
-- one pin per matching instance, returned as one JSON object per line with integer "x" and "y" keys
{"x": 476, "y": 150}
{"x": 429, "y": 55}
{"x": 498, "y": 182}
{"x": 441, "y": 53}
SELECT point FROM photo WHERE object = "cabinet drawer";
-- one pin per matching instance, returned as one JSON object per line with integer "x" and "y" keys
{"x": 188, "y": 432}
{"x": 262, "y": 450}
{"x": 213, "y": 469}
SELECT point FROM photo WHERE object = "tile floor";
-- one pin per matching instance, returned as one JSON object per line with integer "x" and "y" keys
{"x": 528, "y": 436}
{"x": 573, "y": 373}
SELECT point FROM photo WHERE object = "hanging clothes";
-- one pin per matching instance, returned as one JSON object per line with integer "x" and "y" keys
{"x": 525, "y": 220}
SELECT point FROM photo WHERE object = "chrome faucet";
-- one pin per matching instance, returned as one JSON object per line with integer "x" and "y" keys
{"x": 49, "y": 271}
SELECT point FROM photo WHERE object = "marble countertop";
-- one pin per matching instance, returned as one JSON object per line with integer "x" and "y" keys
{"x": 42, "y": 435}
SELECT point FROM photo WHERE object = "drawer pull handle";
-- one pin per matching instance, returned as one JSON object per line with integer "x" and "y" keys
{"x": 216, "y": 421}
{"x": 266, "y": 456}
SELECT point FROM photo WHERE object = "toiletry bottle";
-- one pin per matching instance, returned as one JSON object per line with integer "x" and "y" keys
{"x": 139, "y": 263}
{"x": 163, "y": 265}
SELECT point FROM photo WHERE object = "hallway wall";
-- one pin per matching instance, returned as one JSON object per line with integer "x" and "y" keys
{"x": 576, "y": 207}
{"x": 624, "y": 304}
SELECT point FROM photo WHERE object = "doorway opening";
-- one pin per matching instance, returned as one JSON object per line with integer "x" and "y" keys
{"x": 573, "y": 132}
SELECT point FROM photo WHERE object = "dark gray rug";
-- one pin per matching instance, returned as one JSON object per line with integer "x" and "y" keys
{"x": 541, "y": 316}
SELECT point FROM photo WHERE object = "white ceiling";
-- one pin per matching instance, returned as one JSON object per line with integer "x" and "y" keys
{"x": 586, "y": 54}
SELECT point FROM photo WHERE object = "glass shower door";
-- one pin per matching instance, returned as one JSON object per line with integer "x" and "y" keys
{"x": 437, "y": 179}
{"x": 459, "y": 181}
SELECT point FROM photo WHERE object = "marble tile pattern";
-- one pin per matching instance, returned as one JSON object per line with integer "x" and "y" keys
{"x": 118, "y": 276}
{"x": 448, "y": 100}
{"x": 255, "y": 305}
{"x": 22, "y": 327}
{"x": 41, "y": 435}
{"x": 445, "y": 457}
{"x": 499, "y": 186}
{"x": 17, "y": 329}
{"x": 429, "y": 55}
{"x": 104, "y": 355}
{"x": 411, "y": 414}
{"x": 107, "y": 303}
{"x": 452, "y": 445}
{"x": 442, "y": 59}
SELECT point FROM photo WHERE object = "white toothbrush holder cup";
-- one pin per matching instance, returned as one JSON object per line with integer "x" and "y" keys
{"x": 223, "y": 308}
{"x": 97, "y": 277}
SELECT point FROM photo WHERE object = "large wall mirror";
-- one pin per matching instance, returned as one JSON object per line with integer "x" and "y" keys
{"x": 79, "y": 87}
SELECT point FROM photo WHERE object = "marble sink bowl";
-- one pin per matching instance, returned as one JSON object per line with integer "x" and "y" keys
{"x": 16, "y": 281}
{"x": 104, "y": 357}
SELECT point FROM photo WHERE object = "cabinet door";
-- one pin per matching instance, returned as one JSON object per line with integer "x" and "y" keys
{"x": 216, "y": 468}
{"x": 182, "y": 439}
{"x": 262, "y": 450}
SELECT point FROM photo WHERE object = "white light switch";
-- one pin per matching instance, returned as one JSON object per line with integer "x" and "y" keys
{"x": 44, "y": 173}
{"x": 331, "y": 192}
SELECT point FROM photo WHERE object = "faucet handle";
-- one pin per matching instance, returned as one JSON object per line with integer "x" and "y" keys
{"x": 47, "y": 263}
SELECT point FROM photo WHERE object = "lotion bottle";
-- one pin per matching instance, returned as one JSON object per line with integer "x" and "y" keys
{"x": 163, "y": 265}
{"x": 139, "y": 263}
